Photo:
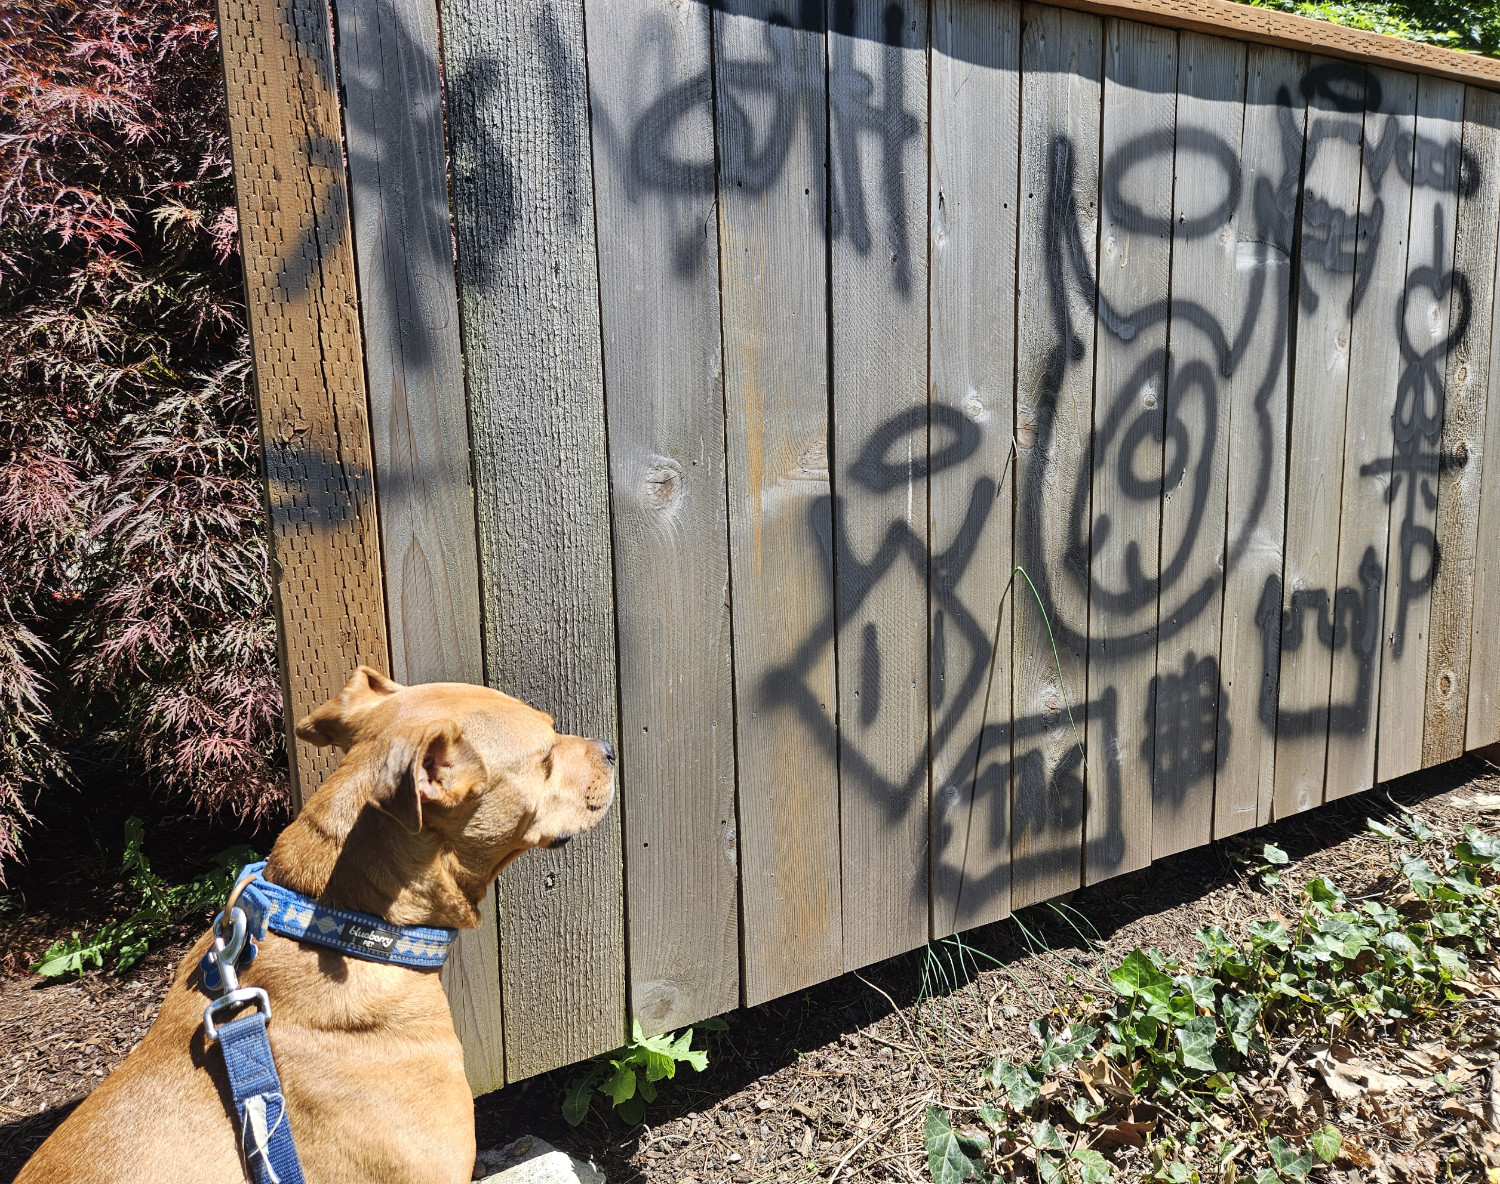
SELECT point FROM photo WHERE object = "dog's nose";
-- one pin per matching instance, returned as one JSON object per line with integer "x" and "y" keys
{"x": 560, "y": 841}
{"x": 608, "y": 750}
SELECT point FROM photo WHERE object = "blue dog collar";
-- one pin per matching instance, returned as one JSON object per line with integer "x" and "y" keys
{"x": 290, "y": 914}
{"x": 256, "y": 906}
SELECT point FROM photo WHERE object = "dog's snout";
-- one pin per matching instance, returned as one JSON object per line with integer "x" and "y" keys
{"x": 608, "y": 751}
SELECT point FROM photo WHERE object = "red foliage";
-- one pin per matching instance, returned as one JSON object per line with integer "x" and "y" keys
{"x": 135, "y": 617}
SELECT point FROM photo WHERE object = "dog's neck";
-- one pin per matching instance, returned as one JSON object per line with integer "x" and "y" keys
{"x": 345, "y": 853}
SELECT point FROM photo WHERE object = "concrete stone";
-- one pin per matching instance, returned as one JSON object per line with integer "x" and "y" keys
{"x": 533, "y": 1161}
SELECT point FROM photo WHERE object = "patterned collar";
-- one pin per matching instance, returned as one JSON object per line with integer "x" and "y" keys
{"x": 290, "y": 914}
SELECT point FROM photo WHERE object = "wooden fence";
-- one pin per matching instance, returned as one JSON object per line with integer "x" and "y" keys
{"x": 963, "y": 450}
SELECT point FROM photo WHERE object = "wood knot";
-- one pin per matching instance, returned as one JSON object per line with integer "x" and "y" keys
{"x": 664, "y": 485}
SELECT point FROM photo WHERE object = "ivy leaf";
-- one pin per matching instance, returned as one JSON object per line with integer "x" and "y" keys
{"x": 1057, "y": 1052}
{"x": 1327, "y": 1143}
{"x": 1418, "y": 826}
{"x": 1269, "y": 933}
{"x": 1287, "y": 1161}
{"x": 1081, "y": 1110}
{"x": 991, "y": 1117}
{"x": 1384, "y": 831}
{"x": 1200, "y": 989}
{"x": 951, "y": 1157}
{"x": 1019, "y": 1084}
{"x": 1197, "y": 1039}
{"x": 1274, "y": 855}
{"x": 1324, "y": 891}
{"x": 1240, "y": 1014}
{"x": 1050, "y": 1169}
{"x": 1044, "y": 1134}
{"x": 1480, "y": 851}
{"x": 1420, "y": 876}
{"x": 1093, "y": 1166}
{"x": 1138, "y": 977}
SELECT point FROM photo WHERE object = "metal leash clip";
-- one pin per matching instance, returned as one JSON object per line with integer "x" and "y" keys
{"x": 223, "y": 955}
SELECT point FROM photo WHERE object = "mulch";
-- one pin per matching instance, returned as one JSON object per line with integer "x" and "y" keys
{"x": 833, "y": 1083}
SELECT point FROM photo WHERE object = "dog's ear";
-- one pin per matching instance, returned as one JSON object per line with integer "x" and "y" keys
{"x": 424, "y": 765}
{"x": 337, "y": 721}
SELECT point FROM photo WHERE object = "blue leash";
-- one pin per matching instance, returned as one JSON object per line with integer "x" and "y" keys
{"x": 256, "y": 906}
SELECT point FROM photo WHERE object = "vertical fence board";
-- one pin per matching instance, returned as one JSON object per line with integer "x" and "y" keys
{"x": 1482, "y": 727}
{"x": 1315, "y": 453}
{"x": 976, "y": 51}
{"x": 1375, "y": 362}
{"x": 1061, "y": 81}
{"x": 1464, "y": 415}
{"x": 1422, "y": 319}
{"x": 418, "y": 419}
{"x": 523, "y": 214}
{"x": 774, "y": 284}
{"x": 300, "y": 297}
{"x": 1134, "y": 282}
{"x": 1191, "y": 738}
{"x": 1275, "y": 121}
{"x": 652, "y": 97}
{"x": 877, "y": 79}
{"x": 403, "y": 247}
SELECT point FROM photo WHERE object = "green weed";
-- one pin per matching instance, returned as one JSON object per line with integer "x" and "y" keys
{"x": 162, "y": 906}
{"x": 628, "y": 1076}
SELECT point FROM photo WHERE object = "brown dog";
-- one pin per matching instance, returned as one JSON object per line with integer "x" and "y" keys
{"x": 441, "y": 786}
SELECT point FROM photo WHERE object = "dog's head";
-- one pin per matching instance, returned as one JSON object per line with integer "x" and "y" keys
{"x": 479, "y": 771}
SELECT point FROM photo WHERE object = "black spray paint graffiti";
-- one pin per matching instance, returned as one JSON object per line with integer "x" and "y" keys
{"x": 1046, "y": 799}
{"x": 1147, "y": 447}
{"x": 1417, "y": 429}
{"x": 1148, "y": 443}
{"x": 837, "y": 106}
{"x": 1187, "y": 728}
{"x": 1151, "y": 448}
{"x": 1352, "y": 622}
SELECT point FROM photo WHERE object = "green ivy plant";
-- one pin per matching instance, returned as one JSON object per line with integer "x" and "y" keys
{"x": 1180, "y": 1033}
{"x": 628, "y": 1076}
{"x": 162, "y": 905}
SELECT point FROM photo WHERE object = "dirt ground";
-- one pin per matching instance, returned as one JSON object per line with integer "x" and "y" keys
{"x": 833, "y": 1083}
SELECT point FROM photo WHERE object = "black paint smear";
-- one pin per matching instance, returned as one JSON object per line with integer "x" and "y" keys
{"x": 1187, "y": 729}
{"x": 873, "y": 470}
{"x": 1353, "y": 623}
{"x": 869, "y": 675}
